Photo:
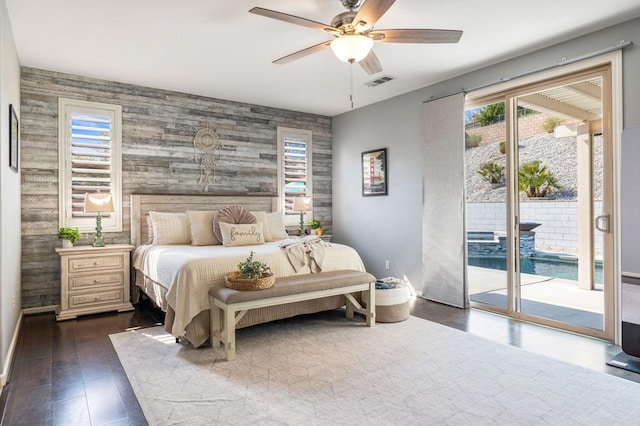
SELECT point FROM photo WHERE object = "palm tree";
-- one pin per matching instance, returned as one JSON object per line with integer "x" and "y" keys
{"x": 491, "y": 171}
{"x": 535, "y": 179}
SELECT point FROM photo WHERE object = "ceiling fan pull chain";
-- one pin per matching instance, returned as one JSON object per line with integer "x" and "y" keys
{"x": 351, "y": 82}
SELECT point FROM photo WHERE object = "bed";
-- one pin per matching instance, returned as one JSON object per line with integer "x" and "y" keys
{"x": 177, "y": 277}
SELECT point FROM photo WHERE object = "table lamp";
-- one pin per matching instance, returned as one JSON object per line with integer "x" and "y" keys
{"x": 301, "y": 204}
{"x": 98, "y": 202}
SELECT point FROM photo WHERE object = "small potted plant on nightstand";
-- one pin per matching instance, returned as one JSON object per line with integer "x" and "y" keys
{"x": 316, "y": 227}
{"x": 68, "y": 236}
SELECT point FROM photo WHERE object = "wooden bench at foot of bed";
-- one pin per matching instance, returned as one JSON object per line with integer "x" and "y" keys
{"x": 228, "y": 306}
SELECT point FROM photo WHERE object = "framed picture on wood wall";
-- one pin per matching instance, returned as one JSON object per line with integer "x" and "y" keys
{"x": 374, "y": 172}
{"x": 14, "y": 149}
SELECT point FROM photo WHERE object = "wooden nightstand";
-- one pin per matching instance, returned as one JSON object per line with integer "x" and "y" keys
{"x": 94, "y": 279}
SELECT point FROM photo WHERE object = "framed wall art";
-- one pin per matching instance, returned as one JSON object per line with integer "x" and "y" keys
{"x": 374, "y": 172}
{"x": 14, "y": 148}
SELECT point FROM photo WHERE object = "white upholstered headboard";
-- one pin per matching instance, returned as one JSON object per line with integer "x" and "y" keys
{"x": 142, "y": 204}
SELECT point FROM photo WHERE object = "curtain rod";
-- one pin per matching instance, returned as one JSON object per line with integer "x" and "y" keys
{"x": 564, "y": 61}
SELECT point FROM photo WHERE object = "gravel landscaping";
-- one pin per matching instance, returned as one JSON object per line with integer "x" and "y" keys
{"x": 558, "y": 153}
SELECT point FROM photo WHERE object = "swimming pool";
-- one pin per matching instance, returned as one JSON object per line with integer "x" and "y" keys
{"x": 547, "y": 266}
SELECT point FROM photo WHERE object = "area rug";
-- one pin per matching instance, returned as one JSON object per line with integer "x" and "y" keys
{"x": 324, "y": 369}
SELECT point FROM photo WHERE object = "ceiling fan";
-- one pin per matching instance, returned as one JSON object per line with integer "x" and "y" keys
{"x": 354, "y": 33}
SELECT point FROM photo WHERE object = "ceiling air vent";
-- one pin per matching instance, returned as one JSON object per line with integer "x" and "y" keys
{"x": 379, "y": 81}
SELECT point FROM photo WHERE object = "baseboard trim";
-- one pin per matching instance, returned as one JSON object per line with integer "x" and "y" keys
{"x": 12, "y": 348}
{"x": 39, "y": 310}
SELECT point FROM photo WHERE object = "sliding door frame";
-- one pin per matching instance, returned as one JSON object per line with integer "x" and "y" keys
{"x": 612, "y": 108}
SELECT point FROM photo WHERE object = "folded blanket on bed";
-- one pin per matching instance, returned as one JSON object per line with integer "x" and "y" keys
{"x": 297, "y": 250}
{"x": 297, "y": 254}
{"x": 303, "y": 240}
{"x": 316, "y": 254}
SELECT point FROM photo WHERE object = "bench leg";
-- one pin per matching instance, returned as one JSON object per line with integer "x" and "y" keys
{"x": 215, "y": 325}
{"x": 371, "y": 305}
{"x": 354, "y": 306}
{"x": 229, "y": 332}
{"x": 349, "y": 310}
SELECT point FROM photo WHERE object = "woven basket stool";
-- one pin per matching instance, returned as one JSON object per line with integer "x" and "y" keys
{"x": 392, "y": 305}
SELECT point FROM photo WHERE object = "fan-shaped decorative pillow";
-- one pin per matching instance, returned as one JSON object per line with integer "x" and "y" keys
{"x": 231, "y": 214}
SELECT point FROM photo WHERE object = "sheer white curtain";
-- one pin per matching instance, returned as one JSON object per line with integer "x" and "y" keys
{"x": 443, "y": 239}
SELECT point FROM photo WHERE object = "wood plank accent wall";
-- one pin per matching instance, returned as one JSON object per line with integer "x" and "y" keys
{"x": 158, "y": 157}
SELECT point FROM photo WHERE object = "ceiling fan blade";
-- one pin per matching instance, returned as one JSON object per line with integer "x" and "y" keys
{"x": 291, "y": 19}
{"x": 371, "y": 11}
{"x": 302, "y": 53}
{"x": 417, "y": 36}
{"x": 371, "y": 64}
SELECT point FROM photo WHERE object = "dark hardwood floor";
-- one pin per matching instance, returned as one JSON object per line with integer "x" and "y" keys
{"x": 67, "y": 373}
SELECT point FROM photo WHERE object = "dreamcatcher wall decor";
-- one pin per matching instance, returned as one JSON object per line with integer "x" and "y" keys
{"x": 207, "y": 142}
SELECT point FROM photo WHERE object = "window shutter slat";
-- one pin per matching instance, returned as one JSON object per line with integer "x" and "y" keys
{"x": 91, "y": 163}
{"x": 295, "y": 171}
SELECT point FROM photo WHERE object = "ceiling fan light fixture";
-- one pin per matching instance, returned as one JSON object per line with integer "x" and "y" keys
{"x": 351, "y": 47}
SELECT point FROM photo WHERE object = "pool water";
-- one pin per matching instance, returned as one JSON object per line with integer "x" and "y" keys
{"x": 549, "y": 267}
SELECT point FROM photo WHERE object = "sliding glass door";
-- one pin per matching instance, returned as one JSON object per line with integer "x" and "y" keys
{"x": 539, "y": 204}
{"x": 486, "y": 204}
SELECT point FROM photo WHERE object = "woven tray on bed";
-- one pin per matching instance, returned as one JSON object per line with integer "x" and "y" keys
{"x": 233, "y": 280}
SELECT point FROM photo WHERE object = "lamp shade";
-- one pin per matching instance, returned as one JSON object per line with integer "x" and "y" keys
{"x": 302, "y": 204}
{"x": 354, "y": 47}
{"x": 98, "y": 202}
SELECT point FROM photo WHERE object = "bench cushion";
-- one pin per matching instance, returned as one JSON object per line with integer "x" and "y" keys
{"x": 295, "y": 284}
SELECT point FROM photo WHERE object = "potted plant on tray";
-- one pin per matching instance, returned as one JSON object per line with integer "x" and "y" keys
{"x": 68, "y": 236}
{"x": 251, "y": 274}
{"x": 316, "y": 227}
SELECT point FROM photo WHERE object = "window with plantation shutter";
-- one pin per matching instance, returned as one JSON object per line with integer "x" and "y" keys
{"x": 294, "y": 171}
{"x": 90, "y": 161}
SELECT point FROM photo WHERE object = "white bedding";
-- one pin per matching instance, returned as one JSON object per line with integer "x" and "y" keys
{"x": 188, "y": 272}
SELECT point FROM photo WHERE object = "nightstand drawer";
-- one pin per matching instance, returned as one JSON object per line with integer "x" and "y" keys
{"x": 79, "y": 300}
{"x": 112, "y": 279}
{"x": 92, "y": 263}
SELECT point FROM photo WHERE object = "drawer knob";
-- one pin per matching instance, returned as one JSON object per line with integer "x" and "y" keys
{"x": 96, "y": 298}
{"x": 96, "y": 281}
{"x": 95, "y": 263}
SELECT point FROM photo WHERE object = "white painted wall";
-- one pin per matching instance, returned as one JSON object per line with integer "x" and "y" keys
{"x": 10, "y": 246}
{"x": 388, "y": 228}
{"x": 383, "y": 227}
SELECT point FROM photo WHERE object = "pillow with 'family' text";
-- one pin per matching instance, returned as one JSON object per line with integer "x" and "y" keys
{"x": 241, "y": 234}
{"x": 231, "y": 214}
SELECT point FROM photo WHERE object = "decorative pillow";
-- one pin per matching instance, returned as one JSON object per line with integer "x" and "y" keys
{"x": 149, "y": 229}
{"x": 231, "y": 214}
{"x": 241, "y": 234}
{"x": 261, "y": 217}
{"x": 170, "y": 228}
{"x": 276, "y": 226}
{"x": 201, "y": 226}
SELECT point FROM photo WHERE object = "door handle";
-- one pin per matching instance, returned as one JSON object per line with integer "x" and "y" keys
{"x": 602, "y": 223}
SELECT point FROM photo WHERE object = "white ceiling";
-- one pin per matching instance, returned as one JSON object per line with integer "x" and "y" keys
{"x": 216, "y": 48}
